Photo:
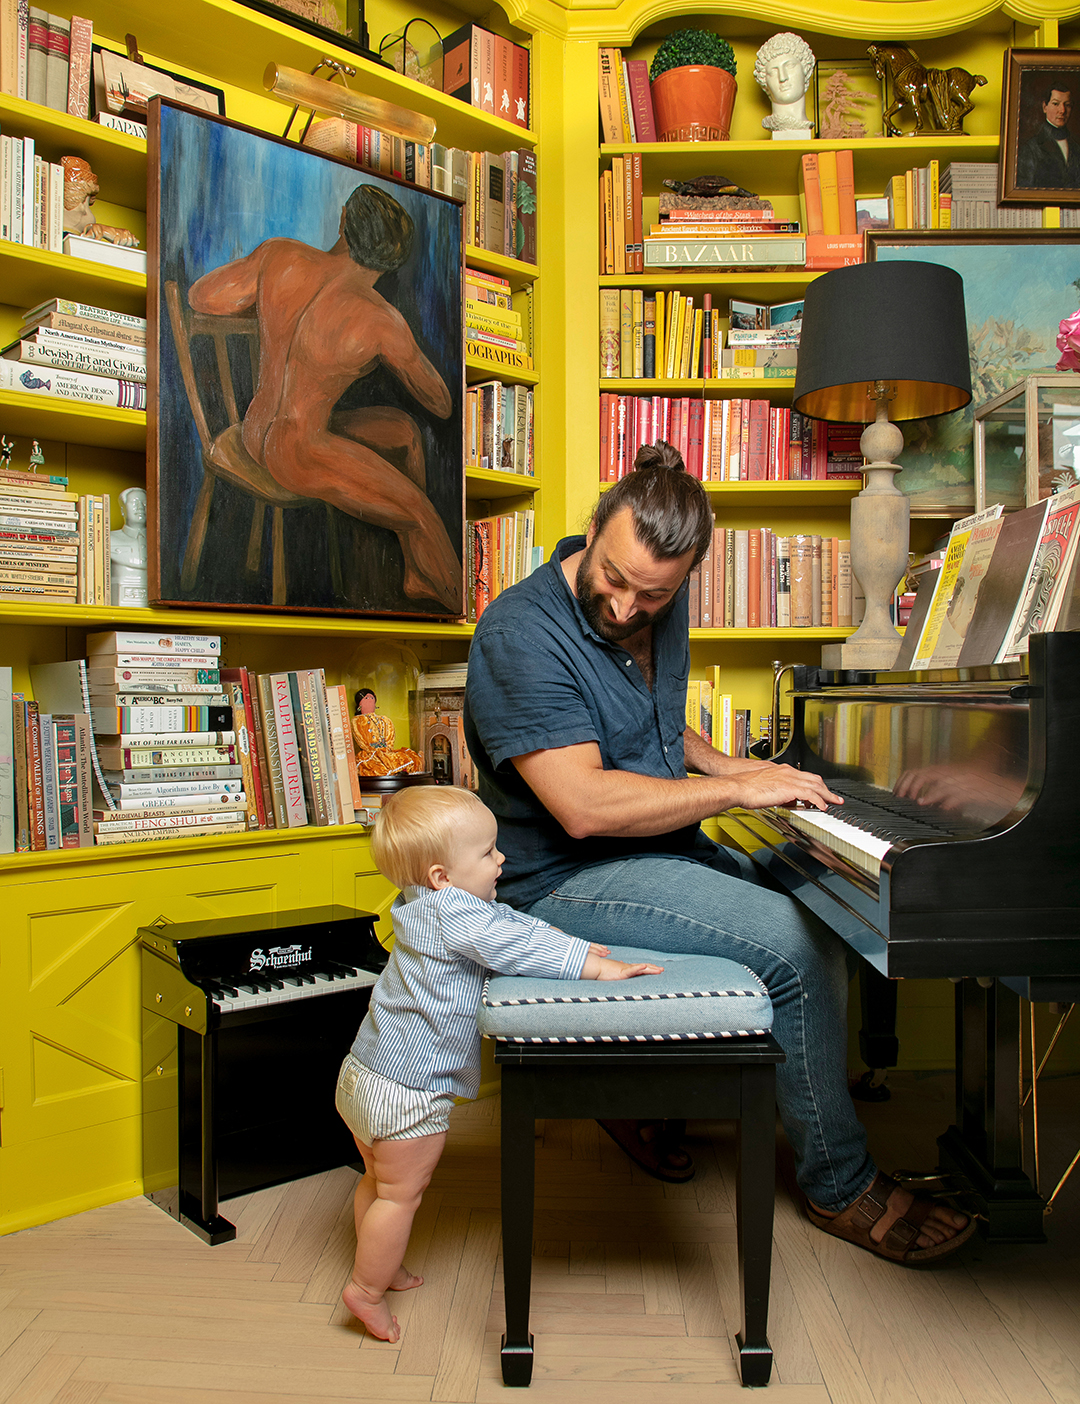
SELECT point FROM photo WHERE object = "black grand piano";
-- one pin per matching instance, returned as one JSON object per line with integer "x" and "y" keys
{"x": 956, "y": 854}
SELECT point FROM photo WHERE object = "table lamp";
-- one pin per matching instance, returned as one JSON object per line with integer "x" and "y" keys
{"x": 881, "y": 342}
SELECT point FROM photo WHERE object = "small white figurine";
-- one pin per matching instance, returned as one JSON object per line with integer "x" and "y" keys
{"x": 127, "y": 552}
{"x": 784, "y": 67}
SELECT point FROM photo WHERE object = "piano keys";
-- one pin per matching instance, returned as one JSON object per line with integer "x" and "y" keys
{"x": 955, "y": 853}
{"x": 245, "y": 1023}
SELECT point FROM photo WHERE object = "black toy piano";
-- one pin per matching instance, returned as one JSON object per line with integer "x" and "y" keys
{"x": 254, "y": 1015}
{"x": 956, "y": 853}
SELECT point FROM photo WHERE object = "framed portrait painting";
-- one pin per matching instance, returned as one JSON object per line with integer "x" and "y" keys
{"x": 1040, "y": 127}
{"x": 1018, "y": 285}
{"x": 306, "y": 379}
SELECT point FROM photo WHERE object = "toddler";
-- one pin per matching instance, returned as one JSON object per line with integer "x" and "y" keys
{"x": 418, "y": 1048}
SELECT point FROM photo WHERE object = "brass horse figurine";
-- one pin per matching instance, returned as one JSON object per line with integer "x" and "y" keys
{"x": 939, "y": 98}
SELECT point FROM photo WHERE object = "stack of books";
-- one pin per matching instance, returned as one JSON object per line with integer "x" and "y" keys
{"x": 40, "y": 531}
{"x": 78, "y": 351}
{"x": 827, "y": 206}
{"x": 713, "y": 716}
{"x": 971, "y": 187}
{"x": 754, "y": 579}
{"x": 622, "y": 216}
{"x": 488, "y": 72}
{"x": 45, "y": 58}
{"x": 499, "y": 427}
{"x": 31, "y": 196}
{"x": 49, "y": 781}
{"x": 493, "y": 327}
{"x": 499, "y": 551}
{"x": 727, "y": 440}
{"x": 626, "y": 109}
{"x": 690, "y": 237}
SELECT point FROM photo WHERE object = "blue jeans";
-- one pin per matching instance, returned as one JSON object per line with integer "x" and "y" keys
{"x": 721, "y": 907}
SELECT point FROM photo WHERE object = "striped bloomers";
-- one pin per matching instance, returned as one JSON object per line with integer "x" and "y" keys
{"x": 374, "y": 1108}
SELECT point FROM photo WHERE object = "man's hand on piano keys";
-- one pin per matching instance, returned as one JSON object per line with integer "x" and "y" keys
{"x": 768, "y": 785}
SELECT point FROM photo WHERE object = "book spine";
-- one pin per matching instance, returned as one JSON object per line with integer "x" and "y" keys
{"x": 610, "y": 117}
{"x": 78, "y": 92}
{"x": 70, "y": 359}
{"x": 243, "y": 742}
{"x": 37, "y": 55}
{"x": 641, "y": 100}
{"x": 106, "y": 837}
{"x": 320, "y": 703}
{"x": 57, "y": 62}
{"x": 338, "y": 725}
{"x": 811, "y": 184}
{"x": 50, "y": 798}
{"x": 289, "y": 752}
{"x": 278, "y": 802}
{"x": 22, "y": 794}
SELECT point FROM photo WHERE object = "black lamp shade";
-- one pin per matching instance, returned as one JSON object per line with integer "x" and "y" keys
{"x": 901, "y": 322}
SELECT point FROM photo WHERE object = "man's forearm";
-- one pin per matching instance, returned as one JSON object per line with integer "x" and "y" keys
{"x": 707, "y": 760}
{"x": 621, "y": 804}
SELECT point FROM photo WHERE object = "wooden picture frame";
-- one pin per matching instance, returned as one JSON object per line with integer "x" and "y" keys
{"x": 1035, "y": 169}
{"x": 347, "y": 26}
{"x": 1018, "y": 285}
{"x": 304, "y": 450}
{"x": 191, "y": 91}
{"x": 841, "y": 108}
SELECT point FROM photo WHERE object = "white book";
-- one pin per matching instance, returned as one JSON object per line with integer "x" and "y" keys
{"x": 38, "y": 203}
{"x": 174, "y": 788}
{"x": 56, "y": 208}
{"x": 53, "y": 336}
{"x": 16, "y": 189}
{"x": 170, "y": 741}
{"x": 122, "y": 124}
{"x": 99, "y": 251}
{"x": 5, "y": 187}
{"x": 86, "y": 311}
{"x": 197, "y": 804}
{"x": 28, "y": 188}
{"x": 109, "y": 836}
{"x": 72, "y": 385}
{"x": 80, "y": 359}
{"x": 173, "y": 645}
{"x": 226, "y": 821}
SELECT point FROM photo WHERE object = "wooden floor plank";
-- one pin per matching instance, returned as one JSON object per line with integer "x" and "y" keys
{"x": 422, "y": 1343}
{"x": 45, "y": 1380}
{"x": 459, "y": 1363}
{"x": 258, "y": 1383}
{"x": 700, "y": 1294}
{"x": 660, "y": 1279}
{"x": 23, "y": 1355}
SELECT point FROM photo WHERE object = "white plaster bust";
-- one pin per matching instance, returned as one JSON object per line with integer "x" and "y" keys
{"x": 127, "y": 551}
{"x": 784, "y": 67}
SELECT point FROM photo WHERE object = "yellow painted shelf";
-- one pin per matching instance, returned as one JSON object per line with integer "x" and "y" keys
{"x": 491, "y": 370}
{"x": 772, "y": 167}
{"x": 214, "y": 621}
{"x": 517, "y": 274}
{"x": 118, "y": 161}
{"x": 257, "y": 838}
{"x": 489, "y": 483}
{"x": 695, "y": 386}
{"x": 784, "y": 494}
{"x": 72, "y": 421}
{"x": 29, "y": 276}
{"x": 748, "y": 285}
{"x": 234, "y": 44}
{"x": 820, "y": 631}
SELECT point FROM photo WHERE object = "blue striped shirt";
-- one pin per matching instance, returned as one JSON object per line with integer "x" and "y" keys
{"x": 420, "y": 1028}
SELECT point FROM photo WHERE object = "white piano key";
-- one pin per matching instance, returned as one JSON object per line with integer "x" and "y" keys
{"x": 864, "y": 851}
{"x": 244, "y": 1000}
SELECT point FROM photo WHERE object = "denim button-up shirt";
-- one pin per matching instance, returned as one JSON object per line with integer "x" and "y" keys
{"x": 539, "y": 678}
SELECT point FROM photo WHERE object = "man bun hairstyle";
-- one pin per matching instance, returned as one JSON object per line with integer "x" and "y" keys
{"x": 418, "y": 827}
{"x": 378, "y": 230}
{"x": 670, "y": 509}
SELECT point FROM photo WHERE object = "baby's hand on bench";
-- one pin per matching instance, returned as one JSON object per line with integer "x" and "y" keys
{"x": 617, "y": 969}
{"x": 599, "y": 950}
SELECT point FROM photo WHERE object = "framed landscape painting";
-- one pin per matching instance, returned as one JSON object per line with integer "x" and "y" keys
{"x": 306, "y": 379}
{"x": 1018, "y": 285}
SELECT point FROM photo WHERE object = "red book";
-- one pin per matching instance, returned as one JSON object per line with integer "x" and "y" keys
{"x": 634, "y": 164}
{"x": 753, "y": 568}
{"x": 675, "y": 423}
{"x": 637, "y": 73}
{"x": 833, "y": 250}
{"x": 606, "y": 475}
{"x": 771, "y": 460}
{"x": 487, "y": 71}
{"x": 644, "y": 433}
{"x": 482, "y": 564}
{"x": 519, "y": 105}
{"x": 721, "y": 217}
{"x": 504, "y": 78}
{"x": 734, "y": 463}
{"x": 757, "y": 440}
{"x": 34, "y": 782}
{"x": 526, "y": 206}
{"x": 621, "y": 465}
{"x": 695, "y": 443}
{"x": 663, "y": 419}
{"x": 811, "y": 187}
{"x": 82, "y": 34}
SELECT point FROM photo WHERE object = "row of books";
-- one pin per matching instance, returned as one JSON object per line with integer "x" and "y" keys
{"x": 54, "y": 544}
{"x": 727, "y": 440}
{"x": 78, "y": 351}
{"x": 663, "y": 335}
{"x": 487, "y": 72}
{"x": 1002, "y": 578}
{"x": 491, "y": 319}
{"x": 499, "y": 551}
{"x": 498, "y": 189}
{"x": 45, "y": 58}
{"x": 626, "y": 108}
{"x": 753, "y": 579}
{"x": 499, "y": 427}
{"x": 31, "y": 196}
{"x": 712, "y": 714}
{"x": 828, "y": 209}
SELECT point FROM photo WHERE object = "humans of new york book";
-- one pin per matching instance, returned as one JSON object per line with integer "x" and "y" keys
{"x": 338, "y": 297}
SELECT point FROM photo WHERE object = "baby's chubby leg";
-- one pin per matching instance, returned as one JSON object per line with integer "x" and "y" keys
{"x": 387, "y": 1199}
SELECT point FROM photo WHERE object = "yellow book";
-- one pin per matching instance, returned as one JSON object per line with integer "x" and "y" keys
{"x": 946, "y": 580}
{"x": 933, "y": 183}
{"x": 675, "y": 335}
{"x": 661, "y": 344}
{"x": 638, "y": 316}
{"x": 626, "y": 333}
{"x": 898, "y": 194}
{"x": 945, "y": 211}
{"x": 618, "y": 240}
{"x": 695, "y": 349}
{"x": 693, "y": 705}
{"x": 624, "y": 99}
{"x": 830, "y": 194}
{"x": 687, "y": 339}
{"x": 608, "y": 224}
{"x": 909, "y": 200}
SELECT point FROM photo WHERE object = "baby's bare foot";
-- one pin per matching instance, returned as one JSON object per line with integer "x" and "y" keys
{"x": 373, "y": 1312}
{"x": 404, "y": 1279}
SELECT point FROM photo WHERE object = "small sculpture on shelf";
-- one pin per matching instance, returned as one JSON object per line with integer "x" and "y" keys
{"x": 939, "y": 98}
{"x": 373, "y": 734}
{"x": 784, "y": 67}
{"x": 37, "y": 458}
{"x": 7, "y": 447}
{"x": 840, "y": 103}
{"x": 127, "y": 552}
{"x": 80, "y": 191}
{"x": 710, "y": 187}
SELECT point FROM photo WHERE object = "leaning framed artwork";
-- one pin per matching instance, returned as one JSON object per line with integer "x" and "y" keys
{"x": 306, "y": 379}
{"x": 1018, "y": 285}
{"x": 1040, "y": 127}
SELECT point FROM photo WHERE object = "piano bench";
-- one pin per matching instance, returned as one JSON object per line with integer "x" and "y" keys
{"x": 692, "y": 1042}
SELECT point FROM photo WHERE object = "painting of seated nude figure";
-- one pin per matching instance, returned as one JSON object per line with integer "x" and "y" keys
{"x": 306, "y": 316}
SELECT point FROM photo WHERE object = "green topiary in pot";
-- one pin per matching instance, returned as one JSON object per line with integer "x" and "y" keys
{"x": 693, "y": 46}
{"x": 693, "y": 86}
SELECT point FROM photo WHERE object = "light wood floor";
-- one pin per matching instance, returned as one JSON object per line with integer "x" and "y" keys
{"x": 634, "y": 1290}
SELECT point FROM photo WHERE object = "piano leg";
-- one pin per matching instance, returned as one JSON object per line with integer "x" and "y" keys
{"x": 985, "y": 1145}
{"x": 198, "y": 1198}
{"x": 879, "y": 1047}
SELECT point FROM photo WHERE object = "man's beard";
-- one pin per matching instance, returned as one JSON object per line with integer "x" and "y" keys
{"x": 593, "y": 606}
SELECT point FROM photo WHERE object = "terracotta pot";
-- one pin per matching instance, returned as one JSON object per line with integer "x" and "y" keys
{"x": 694, "y": 103}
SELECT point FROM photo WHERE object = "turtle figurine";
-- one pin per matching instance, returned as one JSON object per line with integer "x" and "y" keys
{"x": 709, "y": 186}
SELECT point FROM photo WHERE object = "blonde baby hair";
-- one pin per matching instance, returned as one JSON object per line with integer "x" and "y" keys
{"x": 418, "y": 827}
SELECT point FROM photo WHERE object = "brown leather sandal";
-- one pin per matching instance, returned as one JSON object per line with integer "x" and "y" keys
{"x": 854, "y": 1223}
